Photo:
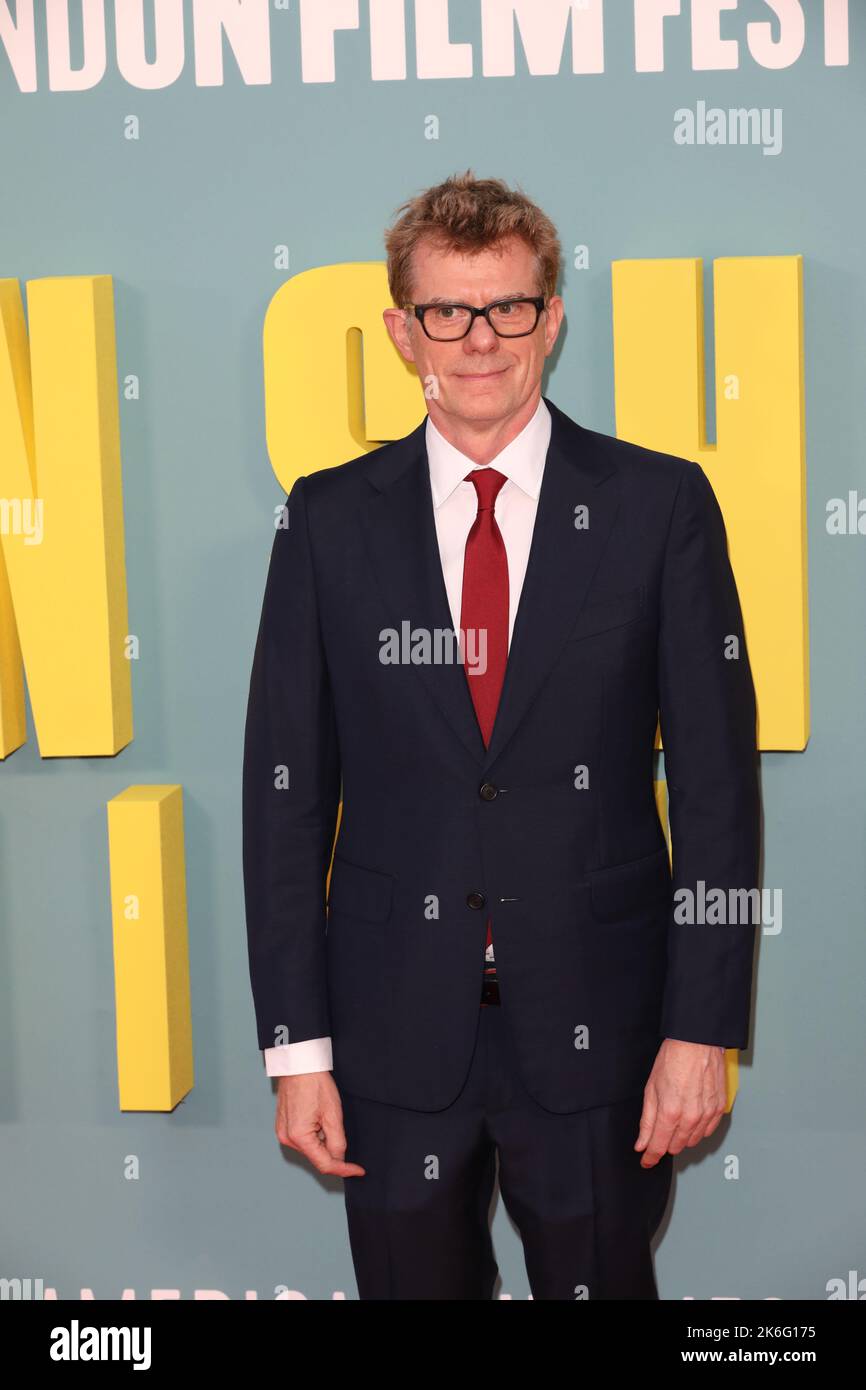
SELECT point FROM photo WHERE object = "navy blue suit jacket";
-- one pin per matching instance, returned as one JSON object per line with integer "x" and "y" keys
{"x": 624, "y": 618}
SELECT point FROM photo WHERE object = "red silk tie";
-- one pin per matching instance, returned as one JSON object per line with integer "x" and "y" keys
{"x": 484, "y": 613}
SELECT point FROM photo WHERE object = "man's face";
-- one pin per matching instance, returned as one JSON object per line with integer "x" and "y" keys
{"x": 481, "y": 378}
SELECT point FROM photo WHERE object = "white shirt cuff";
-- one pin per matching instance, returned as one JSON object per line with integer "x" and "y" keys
{"x": 296, "y": 1059}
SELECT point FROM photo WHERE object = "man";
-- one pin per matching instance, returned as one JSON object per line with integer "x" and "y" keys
{"x": 502, "y": 970}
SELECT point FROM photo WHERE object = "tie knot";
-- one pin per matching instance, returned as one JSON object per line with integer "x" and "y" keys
{"x": 487, "y": 483}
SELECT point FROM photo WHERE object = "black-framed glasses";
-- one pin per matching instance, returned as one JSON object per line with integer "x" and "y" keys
{"x": 509, "y": 318}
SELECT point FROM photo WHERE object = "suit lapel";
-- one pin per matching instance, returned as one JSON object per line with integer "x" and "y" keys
{"x": 404, "y": 550}
{"x": 397, "y": 519}
{"x": 562, "y": 561}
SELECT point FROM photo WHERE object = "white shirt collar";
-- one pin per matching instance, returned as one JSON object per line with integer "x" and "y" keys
{"x": 522, "y": 460}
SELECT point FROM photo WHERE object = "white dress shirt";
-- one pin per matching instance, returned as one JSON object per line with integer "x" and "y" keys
{"x": 455, "y": 506}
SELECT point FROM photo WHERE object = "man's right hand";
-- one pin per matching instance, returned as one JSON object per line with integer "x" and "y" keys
{"x": 310, "y": 1119}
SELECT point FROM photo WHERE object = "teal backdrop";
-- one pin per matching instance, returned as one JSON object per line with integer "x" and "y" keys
{"x": 186, "y": 218}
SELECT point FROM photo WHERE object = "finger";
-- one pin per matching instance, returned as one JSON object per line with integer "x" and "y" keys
{"x": 715, "y": 1121}
{"x": 713, "y": 1116}
{"x": 334, "y": 1138}
{"x": 689, "y": 1131}
{"x": 663, "y": 1130}
{"x": 332, "y": 1128}
{"x": 316, "y": 1153}
{"x": 647, "y": 1118}
{"x": 714, "y": 1096}
{"x": 653, "y": 1151}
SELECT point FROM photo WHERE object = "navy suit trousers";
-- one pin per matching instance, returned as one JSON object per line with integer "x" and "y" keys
{"x": 572, "y": 1184}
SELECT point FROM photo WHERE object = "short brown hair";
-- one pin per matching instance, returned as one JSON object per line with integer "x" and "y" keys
{"x": 466, "y": 214}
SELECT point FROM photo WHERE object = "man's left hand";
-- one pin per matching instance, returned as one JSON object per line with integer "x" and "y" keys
{"x": 684, "y": 1099}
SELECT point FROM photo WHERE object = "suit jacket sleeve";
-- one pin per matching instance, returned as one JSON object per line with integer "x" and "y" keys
{"x": 707, "y": 713}
{"x": 291, "y": 791}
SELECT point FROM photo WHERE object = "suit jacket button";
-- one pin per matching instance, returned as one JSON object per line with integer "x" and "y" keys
{"x": 488, "y": 792}
{"x": 475, "y": 900}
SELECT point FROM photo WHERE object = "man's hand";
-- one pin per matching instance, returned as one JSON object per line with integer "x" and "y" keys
{"x": 684, "y": 1099}
{"x": 310, "y": 1119}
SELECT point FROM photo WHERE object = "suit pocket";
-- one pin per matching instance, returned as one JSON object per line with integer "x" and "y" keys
{"x": 605, "y": 613}
{"x": 359, "y": 892}
{"x": 632, "y": 889}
